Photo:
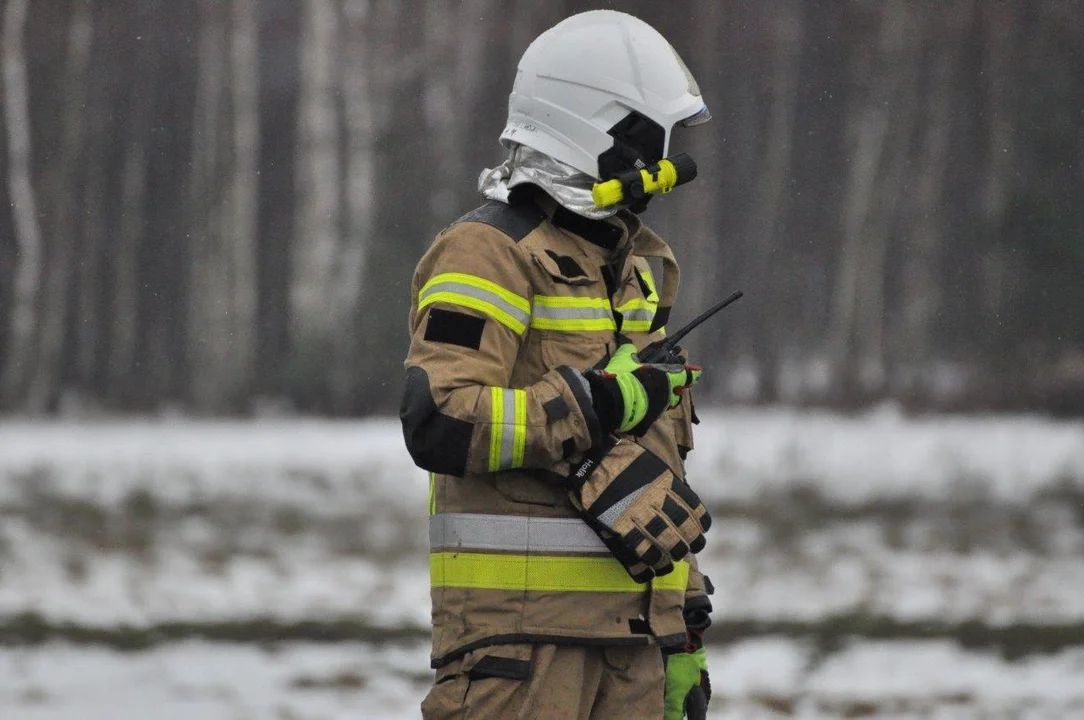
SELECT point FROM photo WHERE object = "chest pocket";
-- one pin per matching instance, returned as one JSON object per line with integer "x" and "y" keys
{"x": 571, "y": 315}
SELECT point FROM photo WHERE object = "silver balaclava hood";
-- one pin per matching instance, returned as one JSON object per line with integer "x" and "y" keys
{"x": 564, "y": 183}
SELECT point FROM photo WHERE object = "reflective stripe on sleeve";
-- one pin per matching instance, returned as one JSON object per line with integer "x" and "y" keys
{"x": 543, "y": 573}
{"x": 507, "y": 308}
{"x": 515, "y": 533}
{"x": 508, "y": 428}
{"x": 637, "y": 315}
{"x": 571, "y": 314}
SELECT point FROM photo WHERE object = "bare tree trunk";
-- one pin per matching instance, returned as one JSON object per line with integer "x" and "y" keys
{"x": 28, "y": 271}
{"x": 316, "y": 248}
{"x": 921, "y": 269}
{"x": 1000, "y": 62}
{"x": 859, "y": 277}
{"x": 785, "y": 37}
{"x": 124, "y": 299}
{"x": 875, "y": 347}
{"x": 92, "y": 274}
{"x": 240, "y": 237}
{"x": 361, "y": 128}
{"x": 208, "y": 274}
{"x": 453, "y": 84}
{"x": 60, "y": 182}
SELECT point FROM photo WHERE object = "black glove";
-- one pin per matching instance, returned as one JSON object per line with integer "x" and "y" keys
{"x": 647, "y": 516}
{"x": 629, "y": 396}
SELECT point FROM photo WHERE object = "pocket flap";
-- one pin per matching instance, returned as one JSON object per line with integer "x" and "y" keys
{"x": 565, "y": 268}
{"x": 494, "y": 666}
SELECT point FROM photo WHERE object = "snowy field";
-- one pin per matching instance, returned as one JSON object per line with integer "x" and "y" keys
{"x": 818, "y": 515}
{"x": 921, "y": 532}
{"x": 753, "y": 679}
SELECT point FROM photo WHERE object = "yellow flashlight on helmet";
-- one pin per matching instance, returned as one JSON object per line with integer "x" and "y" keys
{"x": 634, "y": 185}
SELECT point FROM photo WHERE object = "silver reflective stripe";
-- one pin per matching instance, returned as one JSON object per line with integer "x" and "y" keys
{"x": 479, "y": 294}
{"x": 641, "y": 314}
{"x": 508, "y": 437}
{"x": 571, "y": 313}
{"x": 609, "y": 517}
{"x": 513, "y": 533}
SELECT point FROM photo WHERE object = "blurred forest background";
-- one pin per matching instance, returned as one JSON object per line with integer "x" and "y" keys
{"x": 217, "y": 205}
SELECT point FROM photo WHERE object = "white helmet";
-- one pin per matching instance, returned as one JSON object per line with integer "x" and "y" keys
{"x": 601, "y": 91}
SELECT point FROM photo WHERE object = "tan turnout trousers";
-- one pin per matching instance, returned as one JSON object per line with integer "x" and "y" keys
{"x": 550, "y": 682}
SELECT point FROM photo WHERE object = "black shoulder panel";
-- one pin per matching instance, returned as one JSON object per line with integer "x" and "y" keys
{"x": 516, "y": 221}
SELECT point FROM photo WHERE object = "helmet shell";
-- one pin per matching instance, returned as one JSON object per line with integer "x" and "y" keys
{"x": 588, "y": 74}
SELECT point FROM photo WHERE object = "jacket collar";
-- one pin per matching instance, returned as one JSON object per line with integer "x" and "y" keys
{"x": 609, "y": 238}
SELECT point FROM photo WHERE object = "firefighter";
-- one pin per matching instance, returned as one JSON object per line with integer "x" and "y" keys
{"x": 562, "y": 530}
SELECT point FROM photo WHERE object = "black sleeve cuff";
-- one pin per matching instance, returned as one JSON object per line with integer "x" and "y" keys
{"x": 697, "y": 613}
{"x": 581, "y": 391}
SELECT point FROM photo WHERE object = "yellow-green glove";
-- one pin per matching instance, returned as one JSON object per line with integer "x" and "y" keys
{"x": 629, "y": 395}
{"x": 688, "y": 689}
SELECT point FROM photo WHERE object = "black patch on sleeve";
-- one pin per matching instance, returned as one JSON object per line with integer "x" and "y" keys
{"x": 436, "y": 442}
{"x": 556, "y": 409}
{"x": 492, "y": 666}
{"x": 568, "y": 448}
{"x": 454, "y": 328}
{"x": 568, "y": 267}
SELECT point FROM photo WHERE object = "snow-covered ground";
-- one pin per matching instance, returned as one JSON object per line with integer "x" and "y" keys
{"x": 130, "y": 524}
{"x": 754, "y": 679}
{"x": 148, "y": 522}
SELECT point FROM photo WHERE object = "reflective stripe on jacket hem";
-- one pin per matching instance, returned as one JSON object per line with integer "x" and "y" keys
{"x": 545, "y": 573}
{"x": 514, "y": 533}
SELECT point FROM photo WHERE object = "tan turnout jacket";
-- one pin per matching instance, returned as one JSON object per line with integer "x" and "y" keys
{"x": 506, "y": 303}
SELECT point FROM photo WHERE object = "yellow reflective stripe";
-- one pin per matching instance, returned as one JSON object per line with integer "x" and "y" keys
{"x": 543, "y": 573}
{"x": 479, "y": 294}
{"x": 496, "y": 427}
{"x": 564, "y": 301}
{"x": 519, "y": 431}
{"x": 432, "y": 493}
{"x": 482, "y": 284}
{"x": 508, "y": 428}
{"x": 571, "y": 314}
{"x": 573, "y": 325}
{"x": 637, "y": 315}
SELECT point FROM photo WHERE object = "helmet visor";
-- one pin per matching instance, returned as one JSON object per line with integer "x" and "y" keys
{"x": 700, "y": 117}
